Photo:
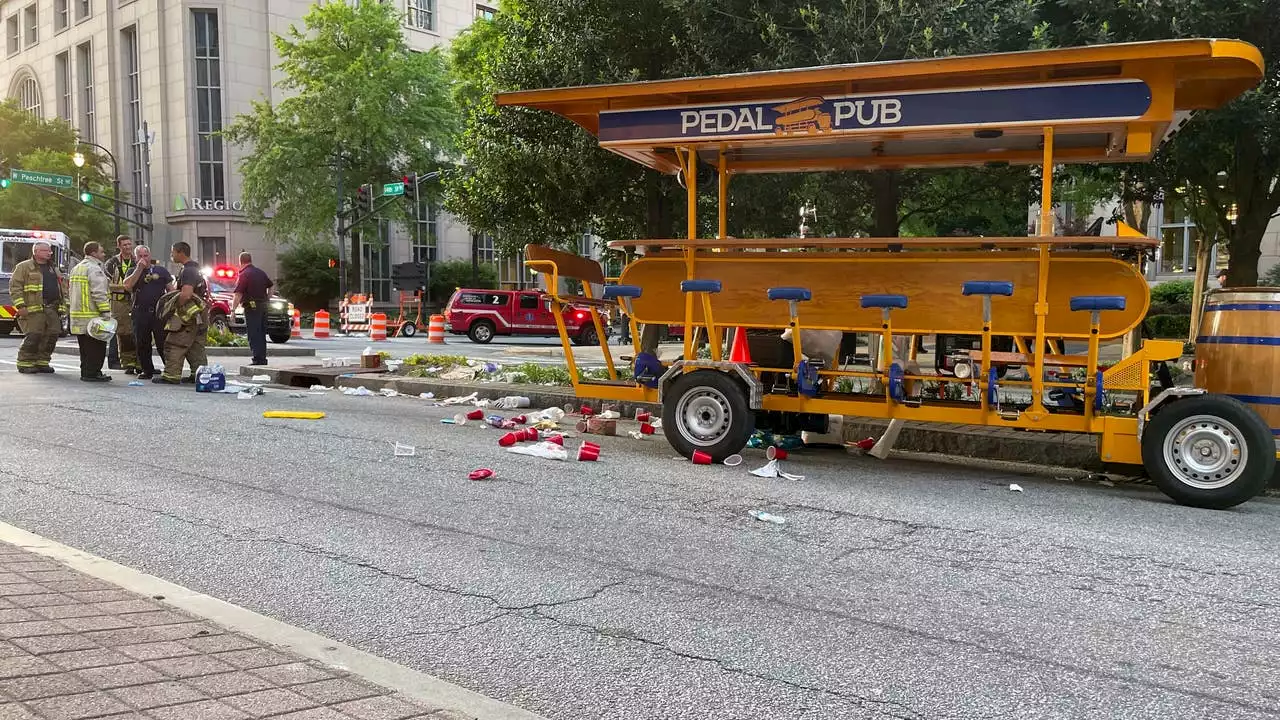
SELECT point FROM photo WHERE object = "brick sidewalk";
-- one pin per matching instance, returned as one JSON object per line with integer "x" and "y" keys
{"x": 73, "y": 647}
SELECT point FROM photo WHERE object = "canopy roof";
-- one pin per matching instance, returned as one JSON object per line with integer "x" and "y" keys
{"x": 1106, "y": 103}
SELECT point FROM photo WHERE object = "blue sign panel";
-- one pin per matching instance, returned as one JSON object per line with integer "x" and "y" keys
{"x": 1026, "y": 105}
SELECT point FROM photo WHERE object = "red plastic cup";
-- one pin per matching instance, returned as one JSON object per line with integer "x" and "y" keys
{"x": 592, "y": 445}
{"x": 647, "y": 428}
{"x": 588, "y": 453}
{"x": 643, "y": 416}
{"x": 865, "y": 444}
{"x": 481, "y": 474}
{"x": 775, "y": 453}
{"x": 508, "y": 440}
{"x": 701, "y": 458}
{"x": 524, "y": 434}
{"x": 532, "y": 433}
{"x": 476, "y": 414}
{"x": 587, "y": 411}
{"x": 520, "y": 419}
{"x": 558, "y": 439}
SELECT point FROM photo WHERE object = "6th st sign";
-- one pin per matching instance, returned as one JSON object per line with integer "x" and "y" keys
{"x": 39, "y": 178}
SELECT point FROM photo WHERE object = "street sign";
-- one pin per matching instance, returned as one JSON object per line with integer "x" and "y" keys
{"x": 40, "y": 178}
{"x": 393, "y": 189}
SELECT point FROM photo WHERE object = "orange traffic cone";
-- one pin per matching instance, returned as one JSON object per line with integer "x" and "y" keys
{"x": 740, "y": 352}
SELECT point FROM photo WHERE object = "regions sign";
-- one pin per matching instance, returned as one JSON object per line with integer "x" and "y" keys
{"x": 976, "y": 107}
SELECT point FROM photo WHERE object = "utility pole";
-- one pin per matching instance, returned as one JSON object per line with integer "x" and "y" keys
{"x": 342, "y": 235}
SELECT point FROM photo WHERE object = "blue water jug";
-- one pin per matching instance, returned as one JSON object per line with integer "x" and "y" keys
{"x": 210, "y": 378}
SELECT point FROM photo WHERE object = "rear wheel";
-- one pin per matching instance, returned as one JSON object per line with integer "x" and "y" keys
{"x": 1209, "y": 451}
{"x": 707, "y": 410}
{"x": 408, "y": 330}
{"x": 280, "y": 338}
{"x": 587, "y": 337}
{"x": 481, "y": 332}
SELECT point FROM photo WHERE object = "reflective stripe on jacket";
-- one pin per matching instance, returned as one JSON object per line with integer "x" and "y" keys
{"x": 89, "y": 290}
{"x": 26, "y": 286}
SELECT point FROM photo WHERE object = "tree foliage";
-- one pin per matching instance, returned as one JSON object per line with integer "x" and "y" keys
{"x": 35, "y": 144}
{"x": 450, "y": 275}
{"x": 305, "y": 276}
{"x": 361, "y": 107}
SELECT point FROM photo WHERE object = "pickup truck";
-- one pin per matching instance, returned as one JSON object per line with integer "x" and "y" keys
{"x": 484, "y": 314}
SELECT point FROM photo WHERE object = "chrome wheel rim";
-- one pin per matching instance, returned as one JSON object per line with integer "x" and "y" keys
{"x": 482, "y": 332}
{"x": 704, "y": 416}
{"x": 1206, "y": 452}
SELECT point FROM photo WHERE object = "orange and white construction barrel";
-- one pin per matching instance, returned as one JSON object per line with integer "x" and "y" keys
{"x": 378, "y": 327}
{"x": 435, "y": 330}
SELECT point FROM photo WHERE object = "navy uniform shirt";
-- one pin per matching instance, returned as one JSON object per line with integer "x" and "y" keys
{"x": 192, "y": 276}
{"x": 253, "y": 285}
{"x": 149, "y": 289}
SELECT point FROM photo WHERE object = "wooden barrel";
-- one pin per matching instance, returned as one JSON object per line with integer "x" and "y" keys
{"x": 1238, "y": 349}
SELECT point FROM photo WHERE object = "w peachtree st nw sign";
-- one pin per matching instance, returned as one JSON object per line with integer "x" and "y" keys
{"x": 976, "y": 107}
{"x": 39, "y": 178}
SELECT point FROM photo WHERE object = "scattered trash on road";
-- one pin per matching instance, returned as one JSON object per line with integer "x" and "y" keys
{"x": 292, "y": 415}
{"x": 545, "y": 450}
{"x": 512, "y": 402}
{"x": 636, "y": 434}
{"x": 458, "y": 400}
{"x": 1015, "y": 487}
{"x": 1106, "y": 483}
{"x": 610, "y": 415}
{"x": 404, "y": 450}
{"x": 480, "y": 474}
{"x": 388, "y": 392}
{"x": 361, "y": 391}
{"x": 882, "y": 447}
{"x": 733, "y": 460}
{"x": 249, "y": 392}
{"x": 261, "y": 378}
{"x": 297, "y": 395}
{"x": 700, "y": 458}
{"x": 320, "y": 387}
{"x": 775, "y": 453}
{"x": 136, "y": 383}
{"x": 459, "y": 373}
{"x": 588, "y": 452}
{"x": 427, "y": 395}
{"x": 771, "y": 470}
{"x": 863, "y": 445}
{"x": 643, "y": 416}
{"x": 763, "y": 516}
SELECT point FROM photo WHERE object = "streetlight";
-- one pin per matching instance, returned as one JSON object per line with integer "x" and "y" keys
{"x": 79, "y": 160}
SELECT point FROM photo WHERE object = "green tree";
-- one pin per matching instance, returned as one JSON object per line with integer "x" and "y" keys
{"x": 32, "y": 143}
{"x": 533, "y": 177}
{"x": 361, "y": 108}
{"x": 305, "y": 276}
{"x": 1230, "y": 157}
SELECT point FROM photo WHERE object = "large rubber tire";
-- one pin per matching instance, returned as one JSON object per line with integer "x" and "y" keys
{"x": 481, "y": 332}
{"x": 280, "y": 338}
{"x": 587, "y": 337}
{"x": 5, "y": 328}
{"x": 408, "y": 330}
{"x": 219, "y": 322}
{"x": 1209, "y": 451}
{"x": 707, "y": 410}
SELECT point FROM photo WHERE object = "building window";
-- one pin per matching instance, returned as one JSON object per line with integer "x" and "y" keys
{"x": 213, "y": 250}
{"x": 512, "y": 273}
{"x": 209, "y": 156}
{"x": 133, "y": 112}
{"x": 84, "y": 68}
{"x": 375, "y": 263}
{"x": 424, "y": 240}
{"x": 485, "y": 248}
{"x": 13, "y": 33}
{"x": 422, "y": 14}
{"x": 29, "y": 96}
{"x": 484, "y": 12}
{"x": 61, "y": 14}
{"x": 62, "y": 66}
{"x": 1178, "y": 236}
{"x": 32, "y": 22}
{"x": 84, "y": 9}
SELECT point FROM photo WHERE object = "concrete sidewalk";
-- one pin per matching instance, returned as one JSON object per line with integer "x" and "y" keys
{"x": 73, "y": 646}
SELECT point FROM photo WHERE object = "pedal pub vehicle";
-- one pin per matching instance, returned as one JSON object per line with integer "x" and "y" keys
{"x": 1100, "y": 104}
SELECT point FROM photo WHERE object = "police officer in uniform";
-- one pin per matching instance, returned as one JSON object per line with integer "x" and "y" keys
{"x": 121, "y": 354}
{"x": 148, "y": 282}
{"x": 252, "y": 290}
{"x": 186, "y": 320}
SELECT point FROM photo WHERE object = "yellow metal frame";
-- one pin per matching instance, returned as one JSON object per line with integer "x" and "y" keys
{"x": 1183, "y": 75}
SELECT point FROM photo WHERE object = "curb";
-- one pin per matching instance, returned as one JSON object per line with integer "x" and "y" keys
{"x": 1036, "y": 448}
{"x": 272, "y": 351}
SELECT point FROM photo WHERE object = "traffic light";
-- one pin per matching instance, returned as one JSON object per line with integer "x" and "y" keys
{"x": 5, "y": 183}
{"x": 86, "y": 197}
{"x": 411, "y": 193}
{"x": 364, "y": 198}
{"x": 333, "y": 262}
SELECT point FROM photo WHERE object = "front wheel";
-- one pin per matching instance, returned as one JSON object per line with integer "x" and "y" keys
{"x": 280, "y": 338}
{"x": 1209, "y": 451}
{"x": 707, "y": 410}
{"x": 219, "y": 322}
{"x": 408, "y": 330}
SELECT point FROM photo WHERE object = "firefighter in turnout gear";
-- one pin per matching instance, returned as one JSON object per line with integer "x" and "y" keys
{"x": 90, "y": 301}
{"x": 184, "y": 314}
{"x": 122, "y": 353}
{"x": 36, "y": 289}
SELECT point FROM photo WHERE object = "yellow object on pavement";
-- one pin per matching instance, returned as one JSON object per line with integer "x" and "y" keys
{"x": 290, "y": 415}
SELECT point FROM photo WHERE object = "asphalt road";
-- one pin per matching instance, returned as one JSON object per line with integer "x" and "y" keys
{"x": 639, "y": 586}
